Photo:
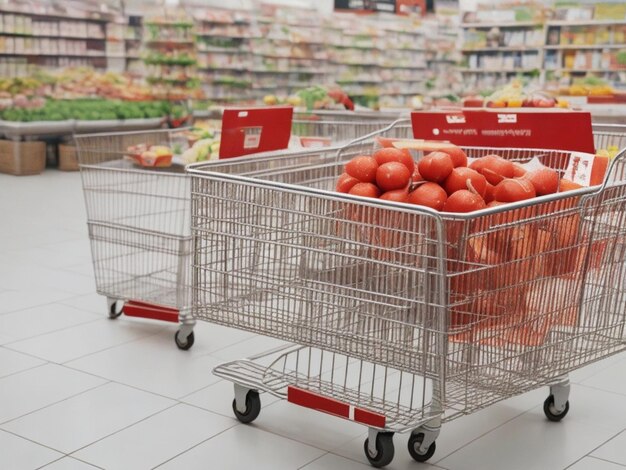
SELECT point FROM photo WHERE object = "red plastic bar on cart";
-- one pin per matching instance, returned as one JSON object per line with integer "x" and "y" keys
{"x": 558, "y": 129}
{"x": 369, "y": 417}
{"x": 253, "y": 130}
{"x": 317, "y": 402}
{"x": 134, "y": 308}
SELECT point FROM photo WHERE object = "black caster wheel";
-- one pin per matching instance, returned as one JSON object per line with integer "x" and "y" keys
{"x": 184, "y": 345}
{"x": 253, "y": 407}
{"x": 551, "y": 413}
{"x": 113, "y": 311}
{"x": 415, "y": 441}
{"x": 384, "y": 450}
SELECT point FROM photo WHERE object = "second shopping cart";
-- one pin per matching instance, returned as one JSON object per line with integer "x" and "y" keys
{"x": 139, "y": 220}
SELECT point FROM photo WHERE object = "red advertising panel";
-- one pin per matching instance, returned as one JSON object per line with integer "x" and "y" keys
{"x": 555, "y": 129}
{"x": 253, "y": 130}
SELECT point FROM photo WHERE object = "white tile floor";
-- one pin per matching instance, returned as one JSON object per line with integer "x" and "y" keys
{"x": 78, "y": 391}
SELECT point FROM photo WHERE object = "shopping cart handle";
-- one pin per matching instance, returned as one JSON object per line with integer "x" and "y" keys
{"x": 367, "y": 137}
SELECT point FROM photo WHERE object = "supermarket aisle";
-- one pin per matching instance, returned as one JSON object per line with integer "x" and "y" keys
{"x": 79, "y": 391}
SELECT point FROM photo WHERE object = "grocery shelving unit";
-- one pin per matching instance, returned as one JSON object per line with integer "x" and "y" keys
{"x": 133, "y": 38}
{"x": 582, "y": 47}
{"x": 288, "y": 51}
{"x": 222, "y": 45}
{"x": 494, "y": 52}
{"x": 55, "y": 34}
{"x": 560, "y": 44}
{"x": 380, "y": 62}
{"x": 170, "y": 56}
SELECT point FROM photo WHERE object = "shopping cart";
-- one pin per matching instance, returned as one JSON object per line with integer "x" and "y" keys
{"x": 610, "y": 137}
{"x": 403, "y": 318}
{"x": 138, "y": 220}
{"x": 352, "y": 116}
{"x": 338, "y": 129}
{"x": 139, "y": 224}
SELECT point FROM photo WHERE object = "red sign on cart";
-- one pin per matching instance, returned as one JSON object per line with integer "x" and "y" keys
{"x": 556, "y": 129}
{"x": 253, "y": 130}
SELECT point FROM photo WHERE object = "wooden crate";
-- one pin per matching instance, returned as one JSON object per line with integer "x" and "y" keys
{"x": 22, "y": 158}
{"x": 68, "y": 160}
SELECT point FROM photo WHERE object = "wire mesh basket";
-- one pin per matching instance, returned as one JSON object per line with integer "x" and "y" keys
{"x": 454, "y": 301}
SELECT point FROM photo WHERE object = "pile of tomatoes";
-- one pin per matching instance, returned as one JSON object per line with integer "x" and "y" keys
{"x": 445, "y": 180}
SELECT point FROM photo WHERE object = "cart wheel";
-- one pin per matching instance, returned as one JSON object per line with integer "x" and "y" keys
{"x": 253, "y": 407}
{"x": 184, "y": 345}
{"x": 113, "y": 312}
{"x": 551, "y": 413}
{"x": 384, "y": 450}
{"x": 415, "y": 441}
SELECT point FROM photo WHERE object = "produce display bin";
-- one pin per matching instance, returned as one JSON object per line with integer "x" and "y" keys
{"x": 19, "y": 130}
{"x": 22, "y": 158}
{"x": 120, "y": 125}
{"x": 403, "y": 317}
{"x": 68, "y": 160}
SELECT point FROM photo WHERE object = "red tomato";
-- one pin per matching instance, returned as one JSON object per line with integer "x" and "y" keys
{"x": 362, "y": 168}
{"x": 345, "y": 183}
{"x": 365, "y": 190}
{"x": 518, "y": 170}
{"x": 489, "y": 190}
{"x": 416, "y": 177}
{"x": 567, "y": 185}
{"x": 514, "y": 189}
{"x": 392, "y": 175}
{"x": 494, "y": 168}
{"x": 397, "y": 195}
{"x": 477, "y": 165}
{"x": 545, "y": 181}
{"x": 436, "y": 166}
{"x": 387, "y": 155}
{"x": 464, "y": 201}
{"x": 459, "y": 178}
{"x": 430, "y": 195}
{"x": 385, "y": 141}
{"x": 459, "y": 157}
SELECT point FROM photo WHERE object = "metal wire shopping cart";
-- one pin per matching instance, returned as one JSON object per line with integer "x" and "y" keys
{"x": 610, "y": 137}
{"x": 138, "y": 220}
{"x": 403, "y": 317}
{"x": 139, "y": 225}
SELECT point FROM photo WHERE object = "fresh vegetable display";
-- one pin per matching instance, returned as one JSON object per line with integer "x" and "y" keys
{"x": 588, "y": 86}
{"x": 516, "y": 94}
{"x": 315, "y": 97}
{"x": 86, "y": 109}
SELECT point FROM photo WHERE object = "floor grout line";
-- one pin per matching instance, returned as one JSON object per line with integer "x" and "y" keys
{"x": 63, "y": 454}
{"x": 313, "y": 461}
{"x": 2, "y": 423}
{"x": 605, "y": 460}
{"x": 139, "y": 389}
{"x": 193, "y": 447}
{"x": 588, "y": 454}
{"x": 71, "y": 454}
{"x": 7, "y": 345}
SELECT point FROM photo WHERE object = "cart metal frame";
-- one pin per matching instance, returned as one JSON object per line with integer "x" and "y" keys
{"x": 381, "y": 299}
{"x": 139, "y": 222}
